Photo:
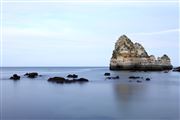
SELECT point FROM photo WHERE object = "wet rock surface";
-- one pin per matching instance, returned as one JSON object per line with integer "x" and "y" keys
{"x": 31, "y": 75}
{"x": 148, "y": 79}
{"x": 72, "y": 76}
{"x": 15, "y": 77}
{"x": 107, "y": 74}
{"x": 134, "y": 77}
{"x": 63, "y": 80}
{"x": 116, "y": 77}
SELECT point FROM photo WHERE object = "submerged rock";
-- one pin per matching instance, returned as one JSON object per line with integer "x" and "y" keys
{"x": 15, "y": 77}
{"x": 57, "y": 79}
{"x": 148, "y": 79}
{"x": 107, "y": 74}
{"x": 116, "y": 77}
{"x": 134, "y": 77}
{"x": 72, "y": 76}
{"x": 138, "y": 81}
{"x": 82, "y": 80}
{"x": 31, "y": 75}
{"x": 63, "y": 80}
{"x": 132, "y": 56}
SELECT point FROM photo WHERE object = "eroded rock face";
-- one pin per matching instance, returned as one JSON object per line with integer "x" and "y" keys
{"x": 132, "y": 56}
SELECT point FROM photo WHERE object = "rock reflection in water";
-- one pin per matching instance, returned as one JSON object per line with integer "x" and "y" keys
{"x": 126, "y": 92}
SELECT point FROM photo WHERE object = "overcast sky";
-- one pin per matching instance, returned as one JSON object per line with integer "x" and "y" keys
{"x": 84, "y": 34}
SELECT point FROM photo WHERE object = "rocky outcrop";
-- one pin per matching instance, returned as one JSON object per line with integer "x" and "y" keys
{"x": 31, "y": 75}
{"x": 15, "y": 77}
{"x": 132, "y": 56}
{"x": 63, "y": 80}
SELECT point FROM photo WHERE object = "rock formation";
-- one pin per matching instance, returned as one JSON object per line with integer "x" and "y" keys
{"x": 132, "y": 56}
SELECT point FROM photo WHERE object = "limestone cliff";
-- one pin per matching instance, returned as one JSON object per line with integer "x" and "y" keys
{"x": 132, "y": 56}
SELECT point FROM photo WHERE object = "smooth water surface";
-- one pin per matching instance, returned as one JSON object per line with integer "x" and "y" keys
{"x": 99, "y": 99}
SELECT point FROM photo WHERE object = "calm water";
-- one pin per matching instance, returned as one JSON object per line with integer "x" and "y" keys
{"x": 98, "y": 99}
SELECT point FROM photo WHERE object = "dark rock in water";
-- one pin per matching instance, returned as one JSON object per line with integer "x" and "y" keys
{"x": 15, "y": 77}
{"x": 63, "y": 80}
{"x": 72, "y": 76}
{"x": 134, "y": 77}
{"x": 130, "y": 81}
{"x": 148, "y": 79}
{"x": 138, "y": 81}
{"x": 81, "y": 80}
{"x": 132, "y": 56}
{"x": 31, "y": 75}
{"x": 117, "y": 77}
{"x": 177, "y": 69}
{"x": 108, "y": 77}
{"x": 107, "y": 74}
{"x": 57, "y": 79}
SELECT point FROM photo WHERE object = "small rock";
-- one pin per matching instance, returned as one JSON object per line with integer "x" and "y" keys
{"x": 15, "y": 77}
{"x": 134, "y": 77}
{"x": 138, "y": 81}
{"x": 31, "y": 75}
{"x": 107, "y": 74}
{"x": 82, "y": 80}
{"x": 72, "y": 76}
{"x": 148, "y": 79}
{"x": 117, "y": 77}
{"x": 57, "y": 79}
{"x": 108, "y": 77}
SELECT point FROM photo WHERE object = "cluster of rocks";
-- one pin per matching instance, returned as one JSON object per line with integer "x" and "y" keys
{"x": 29, "y": 75}
{"x": 74, "y": 79}
{"x": 132, "y": 56}
{"x": 139, "y": 79}
{"x": 63, "y": 80}
{"x": 110, "y": 77}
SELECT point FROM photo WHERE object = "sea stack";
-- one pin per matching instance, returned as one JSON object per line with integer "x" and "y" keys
{"x": 132, "y": 56}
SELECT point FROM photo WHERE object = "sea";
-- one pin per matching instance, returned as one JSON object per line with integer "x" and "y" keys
{"x": 98, "y": 99}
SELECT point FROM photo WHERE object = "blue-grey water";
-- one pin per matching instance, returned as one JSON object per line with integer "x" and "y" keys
{"x": 99, "y": 99}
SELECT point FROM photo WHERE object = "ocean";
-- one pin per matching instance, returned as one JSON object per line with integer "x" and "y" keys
{"x": 98, "y": 99}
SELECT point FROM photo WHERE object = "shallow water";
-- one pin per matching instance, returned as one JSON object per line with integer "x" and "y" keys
{"x": 99, "y": 99}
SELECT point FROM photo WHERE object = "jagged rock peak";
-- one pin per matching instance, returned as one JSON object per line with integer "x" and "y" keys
{"x": 123, "y": 41}
{"x": 126, "y": 48}
{"x": 165, "y": 57}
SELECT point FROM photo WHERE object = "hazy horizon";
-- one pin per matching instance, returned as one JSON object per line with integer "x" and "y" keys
{"x": 82, "y": 34}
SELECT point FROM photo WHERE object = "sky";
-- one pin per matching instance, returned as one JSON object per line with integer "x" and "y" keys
{"x": 84, "y": 33}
